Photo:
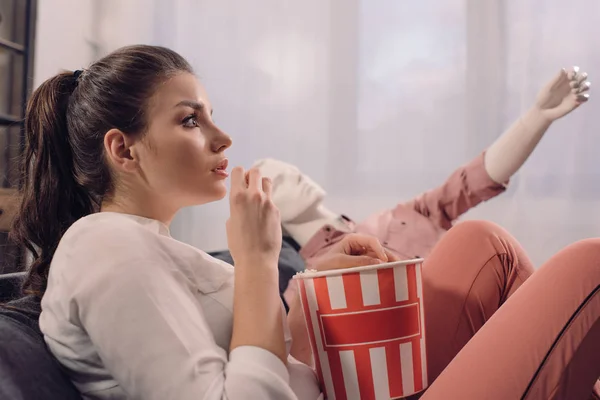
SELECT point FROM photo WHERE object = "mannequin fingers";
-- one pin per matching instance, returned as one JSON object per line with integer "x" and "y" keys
{"x": 559, "y": 81}
{"x": 582, "y": 88}
{"x": 582, "y": 77}
{"x": 582, "y": 98}
{"x": 578, "y": 80}
{"x": 577, "y": 77}
{"x": 573, "y": 73}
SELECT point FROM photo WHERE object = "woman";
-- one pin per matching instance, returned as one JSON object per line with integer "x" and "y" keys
{"x": 112, "y": 154}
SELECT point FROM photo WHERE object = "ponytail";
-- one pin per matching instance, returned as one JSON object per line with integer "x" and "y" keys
{"x": 51, "y": 198}
{"x": 65, "y": 172}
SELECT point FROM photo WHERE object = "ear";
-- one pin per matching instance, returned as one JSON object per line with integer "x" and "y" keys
{"x": 120, "y": 150}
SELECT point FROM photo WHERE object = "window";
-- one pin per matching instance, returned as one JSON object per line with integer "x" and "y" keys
{"x": 17, "y": 26}
{"x": 411, "y": 93}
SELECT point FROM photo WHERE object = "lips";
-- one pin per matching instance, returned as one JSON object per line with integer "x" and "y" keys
{"x": 222, "y": 166}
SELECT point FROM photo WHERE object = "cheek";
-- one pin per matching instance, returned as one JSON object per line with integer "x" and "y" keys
{"x": 186, "y": 148}
{"x": 189, "y": 158}
{"x": 175, "y": 159}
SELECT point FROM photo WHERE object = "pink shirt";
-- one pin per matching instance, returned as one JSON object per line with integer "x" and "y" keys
{"x": 411, "y": 229}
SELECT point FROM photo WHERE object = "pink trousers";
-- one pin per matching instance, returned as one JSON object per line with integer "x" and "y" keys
{"x": 497, "y": 330}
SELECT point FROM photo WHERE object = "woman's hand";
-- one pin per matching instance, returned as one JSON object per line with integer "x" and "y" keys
{"x": 254, "y": 236}
{"x": 254, "y": 225}
{"x": 355, "y": 250}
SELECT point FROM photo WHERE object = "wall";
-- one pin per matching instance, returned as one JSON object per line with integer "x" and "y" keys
{"x": 377, "y": 101}
{"x": 63, "y": 37}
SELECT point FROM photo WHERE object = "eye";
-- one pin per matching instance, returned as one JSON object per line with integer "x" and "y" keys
{"x": 191, "y": 121}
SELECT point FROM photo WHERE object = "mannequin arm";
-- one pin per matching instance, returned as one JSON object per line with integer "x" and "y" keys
{"x": 466, "y": 187}
{"x": 559, "y": 97}
{"x": 486, "y": 175}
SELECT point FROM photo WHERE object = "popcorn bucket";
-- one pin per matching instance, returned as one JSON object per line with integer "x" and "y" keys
{"x": 366, "y": 329}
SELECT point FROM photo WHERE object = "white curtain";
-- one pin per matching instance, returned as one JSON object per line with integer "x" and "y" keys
{"x": 378, "y": 100}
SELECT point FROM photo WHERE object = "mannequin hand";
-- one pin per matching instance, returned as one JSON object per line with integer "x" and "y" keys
{"x": 354, "y": 250}
{"x": 563, "y": 94}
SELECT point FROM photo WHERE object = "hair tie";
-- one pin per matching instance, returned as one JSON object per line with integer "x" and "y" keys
{"x": 77, "y": 74}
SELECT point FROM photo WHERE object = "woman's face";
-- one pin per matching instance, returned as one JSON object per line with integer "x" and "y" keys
{"x": 182, "y": 159}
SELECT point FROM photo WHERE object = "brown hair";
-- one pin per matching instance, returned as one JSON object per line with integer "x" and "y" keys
{"x": 65, "y": 174}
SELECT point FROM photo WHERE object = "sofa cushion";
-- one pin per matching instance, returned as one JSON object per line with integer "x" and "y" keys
{"x": 27, "y": 369}
{"x": 10, "y": 286}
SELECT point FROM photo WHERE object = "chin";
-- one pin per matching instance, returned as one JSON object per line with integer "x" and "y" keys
{"x": 207, "y": 195}
{"x": 221, "y": 195}
{"x": 221, "y": 190}
{"x": 218, "y": 193}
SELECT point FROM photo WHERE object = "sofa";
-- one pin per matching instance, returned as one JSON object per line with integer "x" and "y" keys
{"x": 28, "y": 371}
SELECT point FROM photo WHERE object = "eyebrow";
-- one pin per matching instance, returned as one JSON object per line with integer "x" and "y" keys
{"x": 192, "y": 104}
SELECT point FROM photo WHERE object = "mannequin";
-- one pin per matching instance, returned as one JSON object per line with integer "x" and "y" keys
{"x": 300, "y": 199}
{"x": 414, "y": 228}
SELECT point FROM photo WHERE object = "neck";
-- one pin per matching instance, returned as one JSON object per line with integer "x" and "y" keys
{"x": 303, "y": 228}
{"x": 146, "y": 206}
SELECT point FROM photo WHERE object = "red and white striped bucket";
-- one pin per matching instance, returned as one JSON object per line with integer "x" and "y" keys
{"x": 367, "y": 330}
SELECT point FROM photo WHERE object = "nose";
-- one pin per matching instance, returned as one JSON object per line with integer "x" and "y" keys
{"x": 221, "y": 141}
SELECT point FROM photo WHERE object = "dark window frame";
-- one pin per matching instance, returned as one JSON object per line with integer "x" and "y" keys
{"x": 21, "y": 44}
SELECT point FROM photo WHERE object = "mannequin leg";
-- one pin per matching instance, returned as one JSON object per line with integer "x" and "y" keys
{"x": 542, "y": 343}
{"x": 470, "y": 273}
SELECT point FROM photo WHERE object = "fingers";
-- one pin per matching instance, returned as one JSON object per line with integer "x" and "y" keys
{"x": 361, "y": 261}
{"x": 356, "y": 244}
{"x": 562, "y": 76}
{"x": 583, "y": 88}
{"x": 579, "y": 80}
{"x": 238, "y": 180}
{"x": 573, "y": 73}
{"x": 391, "y": 256}
{"x": 267, "y": 187}
{"x": 579, "y": 85}
{"x": 582, "y": 98}
{"x": 254, "y": 180}
{"x": 251, "y": 179}
{"x": 340, "y": 261}
{"x": 581, "y": 92}
{"x": 378, "y": 249}
{"x": 243, "y": 181}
